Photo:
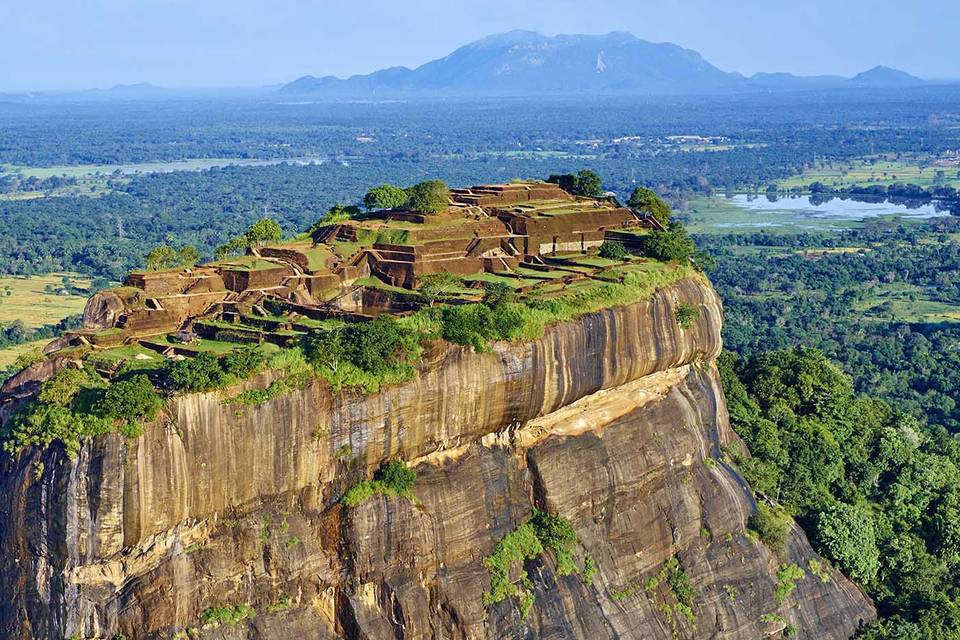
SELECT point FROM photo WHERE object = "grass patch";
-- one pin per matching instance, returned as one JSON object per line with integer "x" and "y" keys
{"x": 28, "y": 299}
{"x": 282, "y": 604}
{"x": 383, "y": 235}
{"x": 677, "y": 579}
{"x": 536, "y": 315}
{"x": 294, "y": 370}
{"x": 818, "y": 569}
{"x": 227, "y": 615}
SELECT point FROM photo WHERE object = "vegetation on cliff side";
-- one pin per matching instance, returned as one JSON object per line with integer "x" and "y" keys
{"x": 543, "y": 531}
{"x": 393, "y": 479}
{"x": 76, "y": 404}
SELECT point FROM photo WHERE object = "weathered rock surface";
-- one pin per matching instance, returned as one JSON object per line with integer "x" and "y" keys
{"x": 614, "y": 422}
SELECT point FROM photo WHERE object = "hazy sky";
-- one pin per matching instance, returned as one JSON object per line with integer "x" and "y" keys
{"x": 56, "y": 44}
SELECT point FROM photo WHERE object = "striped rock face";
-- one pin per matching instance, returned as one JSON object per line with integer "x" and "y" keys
{"x": 615, "y": 422}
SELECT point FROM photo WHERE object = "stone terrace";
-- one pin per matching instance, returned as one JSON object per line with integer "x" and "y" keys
{"x": 353, "y": 268}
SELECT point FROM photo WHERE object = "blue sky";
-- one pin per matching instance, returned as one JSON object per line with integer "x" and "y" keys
{"x": 72, "y": 44}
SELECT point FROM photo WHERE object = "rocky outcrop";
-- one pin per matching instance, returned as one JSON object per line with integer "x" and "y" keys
{"x": 614, "y": 421}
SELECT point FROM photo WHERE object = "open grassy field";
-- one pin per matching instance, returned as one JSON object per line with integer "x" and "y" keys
{"x": 907, "y": 303}
{"x": 9, "y": 355}
{"x": 27, "y": 300}
{"x": 876, "y": 171}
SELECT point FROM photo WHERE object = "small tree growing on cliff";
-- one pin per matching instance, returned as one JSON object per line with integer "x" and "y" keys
{"x": 130, "y": 401}
{"x": 497, "y": 293}
{"x": 202, "y": 372}
{"x": 686, "y": 314}
{"x": 644, "y": 199}
{"x": 435, "y": 286}
{"x": 673, "y": 244}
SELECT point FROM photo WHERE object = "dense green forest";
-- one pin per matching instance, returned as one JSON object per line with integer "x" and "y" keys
{"x": 877, "y": 493}
{"x": 786, "y": 129}
{"x": 845, "y": 393}
{"x": 680, "y": 146}
{"x": 856, "y": 304}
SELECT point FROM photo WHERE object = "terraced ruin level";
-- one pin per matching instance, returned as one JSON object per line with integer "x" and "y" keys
{"x": 533, "y": 237}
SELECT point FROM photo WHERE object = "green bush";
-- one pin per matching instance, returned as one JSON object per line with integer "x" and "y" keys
{"x": 386, "y": 196}
{"x": 130, "y": 400}
{"x": 397, "y": 476}
{"x": 470, "y": 325}
{"x": 613, "y": 250}
{"x": 76, "y": 404}
{"x": 475, "y": 325}
{"x": 282, "y": 604}
{"x": 365, "y": 354}
{"x": 673, "y": 244}
{"x": 361, "y": 492}
{"x": 497, "y": 293}
{"x": 686, "y": 314}
{"x": 682, "y": 589}
{"x": 294, "y": 373}
{"x": 242, "y": 362}
{"x": 227, "y": 615}
{"x": 54, "y": 415}
{"x": 40, "y": 425}
{"x": 558, "y": 534}
{"x": 202, "y": 372}
{"x": 787, "y": 577}
{"x": 771, "y": 525}
{"x": 379, "y": 346}
{"x": 517, "y": 546}
{"x": 526, "y": 542}
{"x": 589, "y": 570}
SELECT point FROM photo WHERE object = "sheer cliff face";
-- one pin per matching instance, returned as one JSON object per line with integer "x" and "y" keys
{"x": 614, "y": 422}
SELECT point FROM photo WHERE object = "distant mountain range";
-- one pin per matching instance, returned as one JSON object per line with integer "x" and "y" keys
{"x": 528, "y": 63}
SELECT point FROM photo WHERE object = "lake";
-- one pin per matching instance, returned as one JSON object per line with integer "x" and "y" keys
{"x": 742, "y": 213}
